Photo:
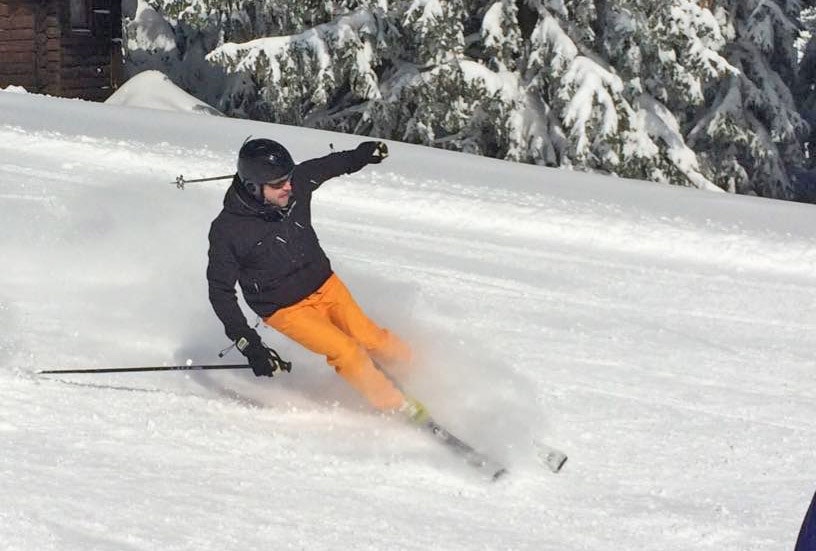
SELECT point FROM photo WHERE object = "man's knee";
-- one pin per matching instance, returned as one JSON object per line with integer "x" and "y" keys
{"x": 392, "y": 350}
{"x": 348, "y": 356}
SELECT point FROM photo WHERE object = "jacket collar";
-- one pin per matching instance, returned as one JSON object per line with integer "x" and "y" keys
{"x": 238, "y": 201}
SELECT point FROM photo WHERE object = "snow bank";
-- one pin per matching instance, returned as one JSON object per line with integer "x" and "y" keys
{"x": 14, "y": 89}
{"x": 154, "y": 90}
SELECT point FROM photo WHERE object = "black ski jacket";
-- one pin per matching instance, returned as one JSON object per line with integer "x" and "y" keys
{"x": 273, "y": 253}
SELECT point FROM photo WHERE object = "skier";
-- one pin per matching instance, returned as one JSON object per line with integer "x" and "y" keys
{"x": 264, "y": 240}
{"x": 807, "y": 533}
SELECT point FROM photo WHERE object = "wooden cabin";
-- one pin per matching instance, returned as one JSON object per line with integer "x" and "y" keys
{"x": 68, "y": 48}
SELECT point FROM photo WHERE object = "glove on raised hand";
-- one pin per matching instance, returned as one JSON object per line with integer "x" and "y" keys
{"x": 371, "y": 152}
{"x": 263, "y": 360}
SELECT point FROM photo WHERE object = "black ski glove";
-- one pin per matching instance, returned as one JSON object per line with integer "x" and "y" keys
{"x": 371, "y": 152}
{"x": 263, "y": 360}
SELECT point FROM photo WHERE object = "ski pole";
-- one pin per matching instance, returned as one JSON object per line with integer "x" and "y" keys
{"x": 180, "y": 181}
{"x": 139, "y": 369}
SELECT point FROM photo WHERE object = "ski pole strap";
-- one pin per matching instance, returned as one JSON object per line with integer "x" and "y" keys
{"x": 223, "y": 352}
{"x": 282, "y": 364}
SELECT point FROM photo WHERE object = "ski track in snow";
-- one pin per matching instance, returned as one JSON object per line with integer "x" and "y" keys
{"x": 668, "y": 354}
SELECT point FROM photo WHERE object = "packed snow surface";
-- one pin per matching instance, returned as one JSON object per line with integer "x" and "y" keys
{"x": 663, "y": 337}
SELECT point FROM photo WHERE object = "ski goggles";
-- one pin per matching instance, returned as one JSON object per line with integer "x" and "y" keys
{"x": 278, "y": 183}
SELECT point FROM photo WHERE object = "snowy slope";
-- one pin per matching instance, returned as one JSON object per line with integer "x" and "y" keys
{"x": 663, "y": 337}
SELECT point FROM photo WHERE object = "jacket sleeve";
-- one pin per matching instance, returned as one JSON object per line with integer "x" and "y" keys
{"x": 222, "y": 275}
{"x": 317, "y": 171}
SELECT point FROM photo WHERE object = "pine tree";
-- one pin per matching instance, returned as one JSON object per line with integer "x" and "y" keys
{"x": 621, "y": 87}
{"x": 750, "y": 134}
{"x": 586, "y": 63}
{"x": 806, "y": 82}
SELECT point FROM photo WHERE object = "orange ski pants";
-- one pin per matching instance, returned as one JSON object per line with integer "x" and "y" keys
{"x": 329, "y": 322}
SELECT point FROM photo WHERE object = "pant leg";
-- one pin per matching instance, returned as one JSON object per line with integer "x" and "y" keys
{"x": 807, "y": 533}
{"x": 383, "y": 345}
{"x": 311, "y": 326}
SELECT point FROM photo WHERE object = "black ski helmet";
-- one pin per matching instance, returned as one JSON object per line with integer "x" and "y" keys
{"x": 263, "y": 161}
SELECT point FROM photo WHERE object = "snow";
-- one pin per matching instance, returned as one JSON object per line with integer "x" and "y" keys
{"x": 431, "y": 12}
{"x": 663, "y": 337}
{"x": 502, "y": 83}
{"x": 662, "y": 124}
{"x": 148, "y": 30}
{"x": 14, "y": 89}
{"x": 550, "y": 34}
{"x": 491, "y": 25}
{"x": 154, "y": 90}
{"x": 342, "y": 32}
{"x": 691, "y": 21}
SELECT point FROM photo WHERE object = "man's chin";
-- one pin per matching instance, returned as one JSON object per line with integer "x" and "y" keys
{"x": 280, "y": 203}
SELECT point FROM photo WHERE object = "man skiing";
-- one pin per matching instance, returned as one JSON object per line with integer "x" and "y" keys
{"x": 263, "y": 239}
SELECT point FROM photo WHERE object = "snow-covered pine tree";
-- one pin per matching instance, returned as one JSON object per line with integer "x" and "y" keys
{"x": 297, "y": 74}
{"x": 400, "y": 73}
{"x": 287, "y": 57}
{"x": 501, "y": 38}
{"x": 153, "y": 40}
{"x": 749, "y": 135}
{"x": 805, "y": 92}
{"x": 589, "y": 84}
{"x": 585, "y": 62}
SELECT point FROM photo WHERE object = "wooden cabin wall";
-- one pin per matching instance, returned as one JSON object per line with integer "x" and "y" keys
{"x": 87, "y": 54}
{"x": 17, "y": 44}
{"x": 43, "y": 52}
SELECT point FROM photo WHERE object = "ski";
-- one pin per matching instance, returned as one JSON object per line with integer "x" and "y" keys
{"x": 472, "y": 457}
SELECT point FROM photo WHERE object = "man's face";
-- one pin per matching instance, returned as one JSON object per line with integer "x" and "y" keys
{"x": 277, "y": 194}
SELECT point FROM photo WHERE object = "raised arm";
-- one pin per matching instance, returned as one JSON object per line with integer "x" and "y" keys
{"x": 317, "y": 171}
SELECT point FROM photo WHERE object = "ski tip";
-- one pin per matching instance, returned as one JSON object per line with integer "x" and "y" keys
{"x": 556, "y": 462}
{"x": 554, "y": 459}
